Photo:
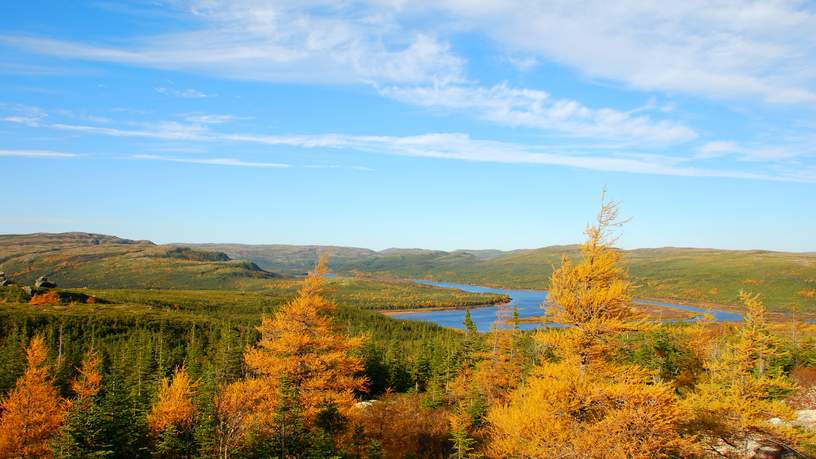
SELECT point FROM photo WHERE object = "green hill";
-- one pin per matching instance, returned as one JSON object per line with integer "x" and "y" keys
{"x": 94, "y": 260}
{"x": 678, "y": 274}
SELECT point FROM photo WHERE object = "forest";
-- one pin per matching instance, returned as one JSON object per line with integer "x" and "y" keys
{"x": 315, "y": 371}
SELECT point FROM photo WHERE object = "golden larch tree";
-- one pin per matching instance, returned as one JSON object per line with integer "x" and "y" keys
{"x": 31, "y": 415}
{"x": 174, "y": 406}
{"x": 593, "y": 297}
{"x": 741, "y": 392}
{"x": 88, "y": 380}
{"x": 581, "y": 403}
{"x": 300, "y": 346}
{"x": 301, "y": 358}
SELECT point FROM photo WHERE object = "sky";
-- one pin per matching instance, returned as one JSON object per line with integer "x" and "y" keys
{"x": 445, "y": 125}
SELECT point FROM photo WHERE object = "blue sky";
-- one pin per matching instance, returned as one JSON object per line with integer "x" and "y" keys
{"x": 446, "y": 124}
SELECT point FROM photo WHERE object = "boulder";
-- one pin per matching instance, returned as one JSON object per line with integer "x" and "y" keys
{"x": 43, "y": 282}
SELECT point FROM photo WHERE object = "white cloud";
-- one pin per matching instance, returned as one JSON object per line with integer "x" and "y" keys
{"x": 23, "y": 114}
{"x": 735, "y": 48}
{"x": 36, "y": 154}
{"x": 537, "y": 109}
{"x": 213, "y": 161}
{"x": 253, "y": 40}
{"x": 170, "y": 130}
{"x": 727, "y": 49}
{"x": 717, "y": 149}
{"x": 188, "y": 93}
{"x": 452, "y": 146}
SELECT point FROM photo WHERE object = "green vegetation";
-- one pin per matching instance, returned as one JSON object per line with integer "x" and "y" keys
{"x": 89, "y": 260}
{"x": 678, "y": 274}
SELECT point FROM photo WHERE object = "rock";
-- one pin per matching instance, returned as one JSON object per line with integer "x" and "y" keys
{"x": 806, "y": 418}
{"x": 770, "y": 452}
{"x": 4, "y": 282}
{"x": 364, "y": 404}
{"x": 43, "y": 282}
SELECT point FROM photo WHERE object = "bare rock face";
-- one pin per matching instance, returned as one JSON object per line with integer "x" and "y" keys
{"x": 42, "y": 282}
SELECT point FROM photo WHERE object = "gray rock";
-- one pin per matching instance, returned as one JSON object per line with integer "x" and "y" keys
{"x": 43, "y": 282}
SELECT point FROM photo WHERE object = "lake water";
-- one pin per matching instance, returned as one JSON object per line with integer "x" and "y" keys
{"x": 529, "y": 305}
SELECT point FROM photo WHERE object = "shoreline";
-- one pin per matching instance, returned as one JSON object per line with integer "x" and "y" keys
{"x": 773, "y": 315}
{"x": 391, "y": 312}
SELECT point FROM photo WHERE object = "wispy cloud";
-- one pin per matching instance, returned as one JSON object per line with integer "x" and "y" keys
{"x": 451, "y": 146}
{"x": 188, "y": 93}
{"x": 22, "y": 114}
{"x": 213, "y": 161}
{"x": 36, "y": 154}
{"x": 254, "y": 40}
{"x": 740, "y": 48}
{"x": 734, "y": 49}
{"x": 776, "y": 163}
{"x": 520, "y": 107}
{"x": 719, "y": 149}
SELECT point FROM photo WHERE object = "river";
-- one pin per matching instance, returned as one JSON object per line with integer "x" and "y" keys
{"x": 529, "y": 305}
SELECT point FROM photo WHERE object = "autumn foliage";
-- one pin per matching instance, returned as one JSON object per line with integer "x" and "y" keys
{"x": 174, "y": 406}
{"x": 49, "y": 297}
{"x": 31, "y": 415}
{"x": 580, "y": 403}
{"x": 300, "y": 365}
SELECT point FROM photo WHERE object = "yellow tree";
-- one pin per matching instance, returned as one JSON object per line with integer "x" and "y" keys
{"x": 582, "y": 404}
{"x": 300, "y": 365}
{"x": 33, "y": 412}
{"x": 242, "y": 408}
{"x": 87, "y": 383}
{"x": 594, "y": 296}
{"x": 300, "y": 346}
{"x": 741, "y": 391}
{"x": 174, "y": 406}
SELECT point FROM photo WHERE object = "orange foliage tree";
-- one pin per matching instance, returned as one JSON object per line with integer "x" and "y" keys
{"x": 31, "y": 415}
{"x": 174, "y": 407}
{"x": 300, "y": 359}
{"x": 87, "y": 383}
{"x": 581, "y": 403}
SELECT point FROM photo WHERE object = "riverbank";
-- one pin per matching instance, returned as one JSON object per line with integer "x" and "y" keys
{"x": 392, "y": 312}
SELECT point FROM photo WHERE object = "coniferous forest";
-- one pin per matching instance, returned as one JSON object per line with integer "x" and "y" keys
{"x": 236, "y": 374}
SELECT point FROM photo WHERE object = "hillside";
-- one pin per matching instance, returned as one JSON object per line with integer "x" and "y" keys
{"x": 94, "y": 260}
{"x": 679, "y": 274}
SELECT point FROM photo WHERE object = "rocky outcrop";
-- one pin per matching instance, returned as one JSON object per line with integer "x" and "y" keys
{"x": 42, "y": 282}
{"x": 3, "y": 280}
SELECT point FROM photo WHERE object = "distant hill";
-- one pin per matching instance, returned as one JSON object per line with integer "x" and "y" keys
{"x": 95, "y": 260}
{"x": 679, "y": 274}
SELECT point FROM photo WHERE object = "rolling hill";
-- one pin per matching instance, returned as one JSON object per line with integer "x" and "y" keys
{"x": 95, "y": 260}
{"x": 678, "y": 274}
